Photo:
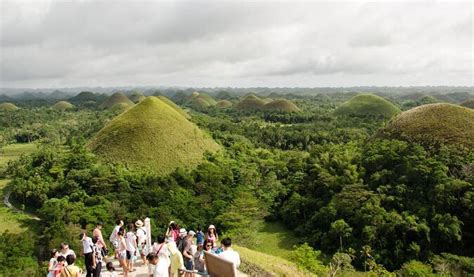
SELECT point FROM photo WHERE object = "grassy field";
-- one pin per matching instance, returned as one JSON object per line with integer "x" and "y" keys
{"x": 12, "y": 221}
{"x": 14, "y": 151}
{"x": 274, "y": 239}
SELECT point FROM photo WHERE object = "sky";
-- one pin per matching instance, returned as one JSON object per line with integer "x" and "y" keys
{"x": 52, "y": 44}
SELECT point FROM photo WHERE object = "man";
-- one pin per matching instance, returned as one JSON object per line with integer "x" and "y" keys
{"x": 65, "y": 250}
{"x": 141, "y": 238}
{"x": 88, "y": 251}
{"x": 187, "y": 251}
{"x": 228, "y": 253}
{"x": 114, "y": 239}
{"x": 159, "y": 270}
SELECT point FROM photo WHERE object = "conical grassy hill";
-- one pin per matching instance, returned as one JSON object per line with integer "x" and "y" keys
{"x": 62, "y": 106}
{"x": 137, "y": 97}
{"x": 8, "y": 107}
{"x": 224, "y": 104}
{"x": 251, "y": 102}
{"x": 469, "y": 103}
{"x": 116, "y": 98}
{"x": 201, "y": 100}
{"x": 367, "y": 105}
{"x": 432, "y": 124}
{"x": 282, "y": 105}
{"x": 173, "y": 105}
{"x": 152, "y": 136}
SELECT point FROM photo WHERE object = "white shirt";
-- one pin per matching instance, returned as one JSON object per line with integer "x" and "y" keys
{"x": 87, "y": 245}
{"x": 231, "y": 256}
{"x": 69, "y": 252}
{"x": 131, "y": 242}
{"x": 113, "y": 237}
{"x": 141, "y": 234}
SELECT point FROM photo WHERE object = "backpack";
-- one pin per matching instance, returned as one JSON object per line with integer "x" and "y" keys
{"x": 180, "y": 244}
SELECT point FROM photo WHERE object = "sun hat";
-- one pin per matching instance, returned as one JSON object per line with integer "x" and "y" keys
{"x": 182, "y": 231}
{"x": 139, "y": 223}
{"x": 171, "y": 222}
{"x": 192, "y": 233}
{"x": 211, "y": 227}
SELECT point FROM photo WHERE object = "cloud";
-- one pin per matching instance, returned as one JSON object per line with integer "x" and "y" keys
{"x": 235, "y": 44}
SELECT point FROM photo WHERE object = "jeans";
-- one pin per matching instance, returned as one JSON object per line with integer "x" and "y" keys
{"x": 88, "y": 261}
{"x": 97, "y": 269}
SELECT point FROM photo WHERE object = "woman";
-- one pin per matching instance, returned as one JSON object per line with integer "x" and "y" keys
{"x": 160, "y": 250}
{"x": 71, "y": 270}
{"x": 131, "y": 243}
{"x": 122, "y": 252}
{"x": 211, "y": 235}
{"x": 52, "y": 263}
{"x": 173, "y": 231}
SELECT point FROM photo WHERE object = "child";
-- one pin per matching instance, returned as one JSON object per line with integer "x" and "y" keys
{"x": 110, "y": 270}
{"x": 59, "y": 266}
{"x": 52, "y": 262}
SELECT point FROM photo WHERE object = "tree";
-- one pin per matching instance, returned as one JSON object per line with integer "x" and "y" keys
{"x": 341, "y": 229}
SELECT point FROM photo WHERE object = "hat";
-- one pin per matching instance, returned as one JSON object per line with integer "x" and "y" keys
{"x": 192, "y": 233}
{"x": 171, "y": 222}
{"x": 139, "y": 223}
{"x": 211, "y": 227}
{"x": 182, "y": 231}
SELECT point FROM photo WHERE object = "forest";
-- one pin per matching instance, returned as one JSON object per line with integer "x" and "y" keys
{"x": 369, "y": 183}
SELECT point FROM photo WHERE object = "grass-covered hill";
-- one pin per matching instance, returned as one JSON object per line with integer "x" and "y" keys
{"x": 282, "y": 105}
{"x": 251, "y": 102}
{"x": 152, "y": 136}
{"x": 200, "y": 100}
{"x": 224, "y": 104}
{"x": 7, "y": 107}
{"x": 469, "y": 103}
{"x": 367, "y": 105}
{"x": 173, "y": 105}
{"x": 62, "y": 106}
{"x": 136, "y": 97}
{"x": 116, "y": 98}
{"x": 433, "y": 123}
{"x": 84, "y": 96}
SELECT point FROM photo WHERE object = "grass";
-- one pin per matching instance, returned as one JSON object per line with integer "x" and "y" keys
{"x": 7, "y": 107}
{"x": 469, "y": 103}
{"x": 223, "y": 104}
{"x": 256, "y": 262}
{"x": 276, "y": 240}
{"x": 434, "y": 123}
{"x": 62, "y": 106}
{"x": 117, "y": 98}
{"x": 282, "y": 105}
{"x": 173, "y": 105}
{"x": 14, "y": 151}
{"x": 11, "y": 221}
{"x": 251, "y": 102}
{"x": 152, "y": 136}
{"x": 367, "y": 105}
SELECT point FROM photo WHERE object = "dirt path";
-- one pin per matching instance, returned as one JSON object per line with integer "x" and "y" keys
{"x": 6, "y": 201}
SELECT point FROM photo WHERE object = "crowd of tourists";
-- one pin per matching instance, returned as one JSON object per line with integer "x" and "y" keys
{"x": 177, "y": 252}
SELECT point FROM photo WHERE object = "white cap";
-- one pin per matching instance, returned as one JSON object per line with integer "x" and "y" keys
{"x": 182, "y": 231}
{"x": 211, "y": 227}
{"x": 192, "y": 233}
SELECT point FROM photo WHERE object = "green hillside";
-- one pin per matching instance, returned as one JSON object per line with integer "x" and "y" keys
{"x": 224, "y": 104}
{"x": 84, "y": 96}
{"x": 154, "y": 136}
{"x": 173, "y": 105}
{"x": 116, "y": 98}
{"x": 433, "y": 123}
{"x": 201, "y": 100}
{"x": 7, "y": 107}
{"x": 367, "y": 105}
{"x": 251, "y": 102}
{"x": 282, "y": 105}
{"x": 137, "y": 97}
{"x": 469, "y": 103}
{"x": 62, "y": 106}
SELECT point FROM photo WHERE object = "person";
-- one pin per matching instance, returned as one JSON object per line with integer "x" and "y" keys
{"x": 160, "y": 249}
{"x": 187, "y": 251}
{"x": 122, "y": 252}
{"x": 97, "y": 233}
{"x": 114, "y": 240}
{"x": 228, "y": 253}
{"x": 141, "y": 240}
{"x": 181, "y": 239}
{"x": 59, "y": 266}
{"x": 211, "y": 235}
{"x": 208, "y": 247}
{"x": 176, "y": 259}
{"x": 131, "y": 243}
{"x": 71, "y": 270}
{"x": 65, "y": 251}
{"x": 199, "y": 236}
{"x": 110, "y": 270}
{"x": 87, "y": 250}
{"x": 52, "y": 262}
{"x": 173, "y": 231}
{"x": 198, "y": 257}
{"x": 160, "y": 269}
{"x": 97, "y": 257}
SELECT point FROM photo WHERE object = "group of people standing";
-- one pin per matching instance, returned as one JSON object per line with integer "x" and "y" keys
{"x": 177, "y": 252}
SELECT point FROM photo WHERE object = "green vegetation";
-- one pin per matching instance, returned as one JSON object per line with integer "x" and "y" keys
{"x": 200, "y": 100}
{"x": 282, "y": 105}
{"x": 152, "y": 136}
{"x": 251, "y": 102}
{"x": 367, "y": 105}
{"x": 224, "y": 104}
{"x": 115, "y": 99}
{"x": 7, "y": 107}
{"x": 137, "y": 97}
{"x": 173, "y": 105}
{"x": 469, "y": 103}
{"x": 62, "y": 106}
{"x": 434, "y": 124}
{"x": 274, "y": 239}
{"x": 14, "y": 151}
{"x": 12, "y": 222}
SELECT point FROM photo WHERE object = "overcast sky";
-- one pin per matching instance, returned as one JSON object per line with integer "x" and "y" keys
{"x": 240, "y": 44}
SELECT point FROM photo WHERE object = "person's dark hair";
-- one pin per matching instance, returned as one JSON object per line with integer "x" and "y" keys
{"x": 173, "y": 226}
{"x": 120, "y": 232}
{"x": 60, "y": 259}
{"x": 110, "y": 266}
{"x": 160, "y": 238}
{"x": 118, "y": 221}
{"x": 53, "y": 252}
{"x": 100, "y": 224}
{"x": 150, "y": 257}
{"x": 199, "y": 228}
{"x": 95, "y": 239}
{"x": 81, "y": 236}
{"x": 131, "y": 227}
{"x": 63, "y": 245}
{"x": 226, "y": 242}
{"x": 206, "y": 242}
{"x": 70, "y": 259}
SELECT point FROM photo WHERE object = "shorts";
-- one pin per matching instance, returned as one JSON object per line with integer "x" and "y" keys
{"x": 130, "y": 255}
{"x": 188, "y": 264}
{"x": 122, "y": 255}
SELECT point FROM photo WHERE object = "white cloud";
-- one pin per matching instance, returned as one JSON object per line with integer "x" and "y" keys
{"x": 235, "y": 44}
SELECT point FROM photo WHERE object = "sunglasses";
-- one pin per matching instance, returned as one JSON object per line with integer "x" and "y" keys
{"x": 209, "y": 245}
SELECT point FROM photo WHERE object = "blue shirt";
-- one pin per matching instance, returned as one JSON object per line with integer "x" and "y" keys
{"x": 200, "y": 238}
